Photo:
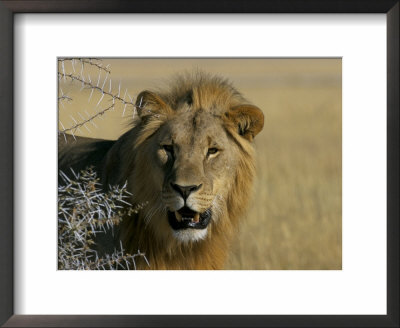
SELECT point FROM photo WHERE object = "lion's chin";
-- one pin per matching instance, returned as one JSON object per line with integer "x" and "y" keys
{"x": 190, "y": 235}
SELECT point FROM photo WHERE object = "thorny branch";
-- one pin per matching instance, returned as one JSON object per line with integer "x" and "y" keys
{"x": 64, "y": 97}
{"x": 95, "y": 87}
{"x": 88, "y": 61}
{"x": 87, "y": 83}
{"x": 84, "y": 211}
{"x": 90, "y": 119}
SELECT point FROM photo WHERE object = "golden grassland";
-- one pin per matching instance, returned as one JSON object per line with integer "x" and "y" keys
{"x": 295, "y": 219}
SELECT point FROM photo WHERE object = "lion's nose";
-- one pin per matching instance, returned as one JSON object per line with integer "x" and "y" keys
{"x": 185, "y": 191}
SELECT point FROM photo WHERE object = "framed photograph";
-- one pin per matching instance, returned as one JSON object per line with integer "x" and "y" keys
{"x": 244, "y": 155}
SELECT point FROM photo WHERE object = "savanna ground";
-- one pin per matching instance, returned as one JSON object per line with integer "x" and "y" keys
{"x": 295, "y": 219}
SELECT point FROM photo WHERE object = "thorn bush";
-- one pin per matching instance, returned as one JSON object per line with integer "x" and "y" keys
{"x": 84, "y": 210}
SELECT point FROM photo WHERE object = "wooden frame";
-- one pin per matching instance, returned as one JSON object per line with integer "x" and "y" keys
{"x": 7, "y": 10}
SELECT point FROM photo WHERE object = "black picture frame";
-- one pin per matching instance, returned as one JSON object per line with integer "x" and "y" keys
{"x": 7, "y": 10}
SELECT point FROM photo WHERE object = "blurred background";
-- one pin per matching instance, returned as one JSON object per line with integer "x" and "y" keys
{"x": 295, "y": 219}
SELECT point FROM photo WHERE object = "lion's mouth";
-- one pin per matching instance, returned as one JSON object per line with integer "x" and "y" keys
{"x": 186, "y": 218}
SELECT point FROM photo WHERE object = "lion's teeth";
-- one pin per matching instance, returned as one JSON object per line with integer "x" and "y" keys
{"x": 196, "y": 218}
{"x": 181, "y": 218}
{"x": 178, "y": 216}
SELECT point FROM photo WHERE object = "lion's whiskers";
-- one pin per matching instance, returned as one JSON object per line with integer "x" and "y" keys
{"x": 149, "y": 215}
{"x": 159, "y": 208}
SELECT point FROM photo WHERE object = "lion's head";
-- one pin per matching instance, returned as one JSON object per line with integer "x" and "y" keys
{"x": 189, "y": 156}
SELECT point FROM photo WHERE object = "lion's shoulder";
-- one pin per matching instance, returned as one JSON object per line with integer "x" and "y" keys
{"x": 79, "y": 153}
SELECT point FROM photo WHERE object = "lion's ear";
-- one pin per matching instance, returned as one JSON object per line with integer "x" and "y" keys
{"x": 149, "y": 103}
{"x": 248, "y": 119}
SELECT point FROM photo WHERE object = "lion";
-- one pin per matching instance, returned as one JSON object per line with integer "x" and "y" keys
{"x": 190, "y": 157}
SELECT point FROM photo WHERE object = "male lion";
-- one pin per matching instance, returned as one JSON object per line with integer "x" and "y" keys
{"x": 189, "y": 155}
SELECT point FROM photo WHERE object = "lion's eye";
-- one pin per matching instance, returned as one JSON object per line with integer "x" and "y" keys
{"x": 212, "y": 151}
{"x": 168, "y": 148}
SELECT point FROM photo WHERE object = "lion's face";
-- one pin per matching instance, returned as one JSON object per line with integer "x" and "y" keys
{"x": 195, "y": 161}
{"x": 190, "y": 147}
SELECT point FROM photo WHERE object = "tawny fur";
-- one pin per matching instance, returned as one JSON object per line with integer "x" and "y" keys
{"x": 190, "y": 100}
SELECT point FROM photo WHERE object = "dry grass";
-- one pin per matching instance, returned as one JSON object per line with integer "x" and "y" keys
{"x": 295, "y": 220}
